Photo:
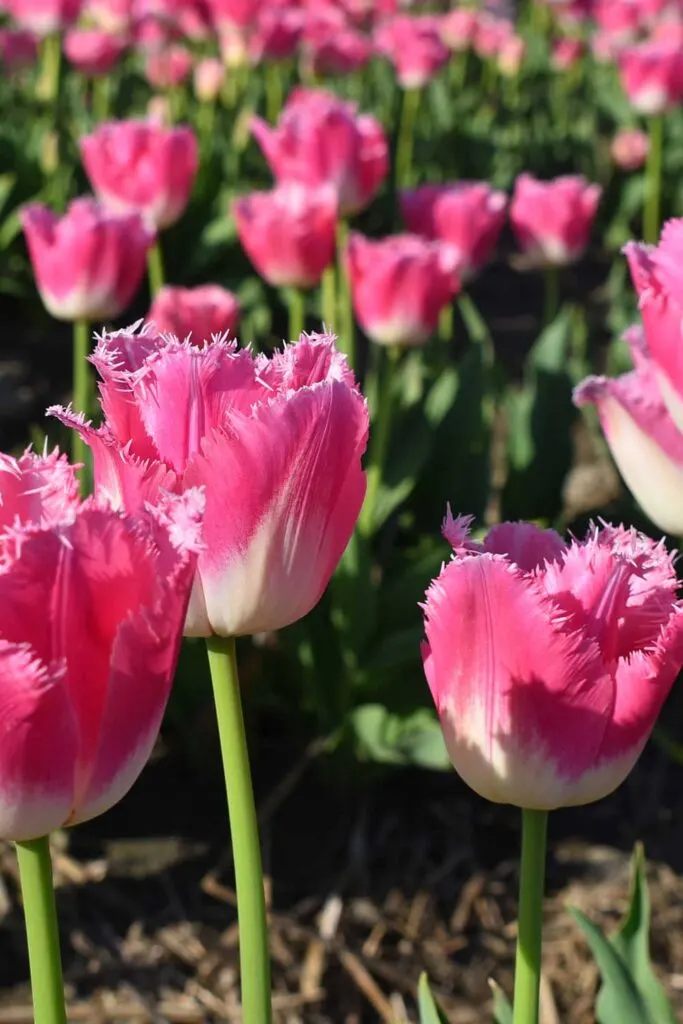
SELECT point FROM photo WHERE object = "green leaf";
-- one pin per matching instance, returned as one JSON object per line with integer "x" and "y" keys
{"x": 502, "y": 1008}
{"x": 426, "y": 1004}
{"x": 630, "y": 993}
{"x": 389, "y": 738}
{"x": 412, "y": 444}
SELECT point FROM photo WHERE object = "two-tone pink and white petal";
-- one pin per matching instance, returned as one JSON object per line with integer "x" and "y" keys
{"x": 293, "y": 505}
{"x": 646, "y": 444}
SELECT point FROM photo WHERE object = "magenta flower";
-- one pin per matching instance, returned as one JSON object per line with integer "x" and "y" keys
{"x": 399, "y": 285}
{"x": 44, "y": 17}
{"x": 92, "y": 608}
{"x": 467, "y": 216}
{"x": 549, "y": 662}
{"x": 414, "y": 46}
{"x": 288, "y": 233}
{"x": 198, "y": 314}
{"x": 552, "y": 220}
{"x": 90, "y": 262}
{"x": 652, "y": 76}
{"x": 276, "y": 443}
{"x": 140, "y": 166}
{"x": 93, "y": 51}
{"x": 320, "y": 140}
{"x": 645, "y": 442}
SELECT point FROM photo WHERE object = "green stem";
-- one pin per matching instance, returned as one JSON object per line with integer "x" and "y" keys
{"x": 653, "y": 181}
{"x": 80, "y": 384}
{"x": 345, "y": 333}
{"x": 47, "y": 86}
{"x": 446, "y": 324}
{"x": 296, "y": 302}
{"x": 206, "y": 119}
{"x": 529, "y": 932}
{"x": 329, "y": 298}
{"x": 251, "y": 904}
{"x": 552, "y": 295}
{"x": 42, "y": 933}
{"x": 274, "y": 91}
{"x": 101, "y": 98}
{"x": 155, "y": 268}
{"x": 380, "y": 434}
{"x": 404, "y": 143}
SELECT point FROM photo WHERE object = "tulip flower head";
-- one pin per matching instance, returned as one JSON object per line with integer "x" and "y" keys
{"x": 466, "y": 216}
{"x": 652, "y": 76}
{"x": 414, "y": 46}
{"x": 44, "y": 17}
{"x": 93, "y": 51}
{"x": 289, "y": 233}
{"x": 320, "y": 140}
{"x": 556, "y": 713}
{"x": 552, "y": 220}
{"x": 140, "y": 166}
{"x": 93, "y": 603}
{"x": 399, "y": 285}
{"x": 198, "y": 314}
{"x": 644, "y": 440}
{"x": 656, "y": 274}
{"x": 629, "y": 149}
{"x": 276, "y": 444}
{"x": 90, "y": 262}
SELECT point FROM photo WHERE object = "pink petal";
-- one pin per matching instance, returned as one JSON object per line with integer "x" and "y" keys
{"x": 284, "y": 490}
{"x": 523, "y": 699}
{"x": 36, "y": 488}
{"x": 38, "y": 745}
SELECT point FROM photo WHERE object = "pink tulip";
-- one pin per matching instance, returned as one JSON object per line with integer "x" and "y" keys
{"x": 467, "y": 216}
{"x": 630, "y": 148}
{"x": 336, "y": 52}
{"x": 567, "y": 53}
{"x": 652, "y": 76}
{"x": 93, "y": 603}
{"x": 141, "y": 166}
{"x": 549, "y": 662}
{"x": 197, "y": 314}
{"x": 90, "y": 262}
{"x": 414, "y": 47}
{"x": 552, "y": 220}
{"x": 510, "y": 55}
{"x": 209, "y": 75}
{"x": 168, "y": 68}
{"x": 275, "y": 35}
{"x": 113, "y": 16}
{"x": 620, "y": 19}
{"x": 277, "y": 445}
{"x": 18, "y": 49}
{"x": 491, "y": 34}
{"x": 44, "y": 17}
{"x": 399, "y": 285}
{"x": 238, "y": 13}
{"x": 93, "y": 51}
{"x": 657, "y": 276}
{"x": 319, "y": 140}
{"x": 288, "y": 233}
{"x": 645, "y": 442}
{"x": 458, "y": 28}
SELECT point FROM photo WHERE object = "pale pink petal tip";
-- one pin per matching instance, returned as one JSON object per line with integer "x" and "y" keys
{"x": 456, "y": 530}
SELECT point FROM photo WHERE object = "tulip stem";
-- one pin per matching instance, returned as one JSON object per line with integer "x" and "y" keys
{"x": 404, "y": 142}
{"x": 329, "y": 298}
{"x": 80, "y": 384}
{"x": 42, "y": 932}
{"x": 653, "y": 181}
{"x": 380, "y": 435}
{"x": 296, "y": 302}
{"x": 529, "y": 931}
{"x": 552, "y": 295}
{"x": 273, "y": 74}
{"x": 101, "y": 98}
{"x": 47, "y": 86}
{"x": 251, "y": 904}
{"x": 345, "y": 332}
{"x": 446, "y": 323}
{"x": 155, "y": 268}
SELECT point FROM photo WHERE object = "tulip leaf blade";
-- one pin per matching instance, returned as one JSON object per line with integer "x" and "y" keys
{"x": 630, "y": 993}
{"x": 386, "y": 737}
{"x": 426, "y": 1003}
{"x": 502, "y": 1008}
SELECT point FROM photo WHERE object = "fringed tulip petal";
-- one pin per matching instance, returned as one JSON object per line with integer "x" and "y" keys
{"x": 292, "y": 506}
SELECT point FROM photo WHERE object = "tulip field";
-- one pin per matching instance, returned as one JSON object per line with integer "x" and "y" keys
{"x": 341, "y": 502}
